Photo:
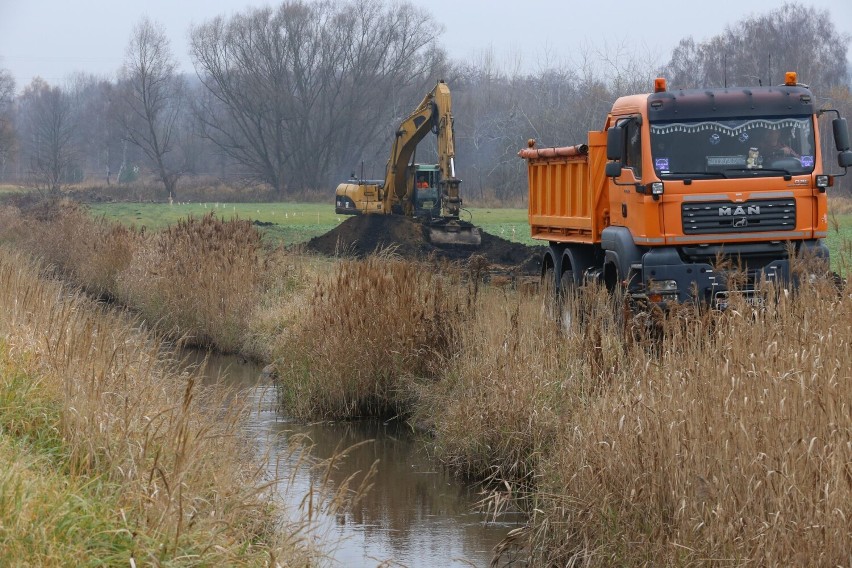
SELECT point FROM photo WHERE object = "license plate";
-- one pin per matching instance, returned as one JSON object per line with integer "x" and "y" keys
{"x": 751, "y": 298}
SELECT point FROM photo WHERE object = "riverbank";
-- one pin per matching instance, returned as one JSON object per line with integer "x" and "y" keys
{"x": 108, "y": 455}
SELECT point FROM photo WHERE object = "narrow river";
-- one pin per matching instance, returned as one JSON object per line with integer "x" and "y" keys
{"x": 415, "y": 515}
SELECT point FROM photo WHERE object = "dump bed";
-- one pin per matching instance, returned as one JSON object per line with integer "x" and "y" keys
{"x": 567, "y": 191}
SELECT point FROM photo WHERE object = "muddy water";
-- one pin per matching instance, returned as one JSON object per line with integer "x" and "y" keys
{"x": 415, "y": 515}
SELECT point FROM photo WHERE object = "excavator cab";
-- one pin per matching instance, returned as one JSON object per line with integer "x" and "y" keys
{"x": 427, "y": 195}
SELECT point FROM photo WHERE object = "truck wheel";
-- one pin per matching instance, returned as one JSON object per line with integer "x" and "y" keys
{"x": 569, "y": 316}
{"x": 549, "y": 300}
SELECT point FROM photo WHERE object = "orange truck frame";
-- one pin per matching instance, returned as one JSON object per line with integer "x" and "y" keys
{"x": 677, "y": 180}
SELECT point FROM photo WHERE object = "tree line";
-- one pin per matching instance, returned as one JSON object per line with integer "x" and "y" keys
{"x": 297, "y": 96}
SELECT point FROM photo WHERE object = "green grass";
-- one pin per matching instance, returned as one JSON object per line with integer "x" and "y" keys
{"x": 291, "y": 222}
{"x": 47, "y": 515}
{"x": 510, "y": 224}
{"x": 299, "y": 222}
{"x": 839, "y": 243}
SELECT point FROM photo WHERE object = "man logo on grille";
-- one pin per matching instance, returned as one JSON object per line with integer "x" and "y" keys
{"x": 750, "y": 210}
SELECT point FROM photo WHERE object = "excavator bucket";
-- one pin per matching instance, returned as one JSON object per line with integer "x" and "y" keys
{"x": 454, "y": 233}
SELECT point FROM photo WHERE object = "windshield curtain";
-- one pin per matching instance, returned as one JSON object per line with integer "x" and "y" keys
{"x": 731, "y": 148}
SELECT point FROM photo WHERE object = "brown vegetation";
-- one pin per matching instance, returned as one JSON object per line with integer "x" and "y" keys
{"x": 116, "y": 455}
{"x": 724, "y": 438}
{"x": 728, "y": 443}
{"x": 371, "y": 327}
{"x": 200, "y": 278}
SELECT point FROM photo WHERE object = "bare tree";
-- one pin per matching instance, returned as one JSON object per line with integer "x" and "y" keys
{"x": 152, "y": 92}
{"x": 298, "y": 93}
{"x": 761, "y": 48}
{"x": 99, "y": 134}
{"x": 497, "y": 112}
{"x": 47, "y": 123}
{"x": 7, "y": 133}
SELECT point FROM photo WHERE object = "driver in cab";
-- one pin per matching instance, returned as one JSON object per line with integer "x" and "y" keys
{"x": 775, "y": 147}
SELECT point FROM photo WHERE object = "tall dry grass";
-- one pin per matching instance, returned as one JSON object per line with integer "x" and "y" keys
{"x": 729, "y": 444}
{"x": 499, "y": 406}
{"x": 199, "y": 278}
{"x": 717, "y": 439}
{"x": 171, "y": 478}
{"x": 91, "y": 252}
{"x": 840, "y": 205}
{"x": 370, "y": 328}
{"x": 706, "y": 438}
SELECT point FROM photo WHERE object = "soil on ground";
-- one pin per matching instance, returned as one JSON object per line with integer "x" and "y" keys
{"x": 362, "y": 235}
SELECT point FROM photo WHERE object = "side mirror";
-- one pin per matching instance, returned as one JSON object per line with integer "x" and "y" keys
{"x": 841, "y": 135}
{"x": 613, "y": 169}
{"x": 615, "y": 139}
{"x": 844, "y": 159}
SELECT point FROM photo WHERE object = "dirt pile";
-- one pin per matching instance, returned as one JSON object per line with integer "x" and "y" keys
{"x": 363, "y": 234}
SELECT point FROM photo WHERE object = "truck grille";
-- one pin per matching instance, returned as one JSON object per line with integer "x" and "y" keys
{"x": 727, "y": 217}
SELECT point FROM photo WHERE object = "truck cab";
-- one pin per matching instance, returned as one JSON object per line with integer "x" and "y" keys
{"x": 689, "y": 195}
{"x": 709, "y": 174}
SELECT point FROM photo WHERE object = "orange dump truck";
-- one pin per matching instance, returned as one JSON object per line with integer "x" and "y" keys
{"x": 679, "y": 179}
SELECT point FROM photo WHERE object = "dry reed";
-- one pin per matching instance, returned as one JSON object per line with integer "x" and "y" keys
{"x": 90, "y": 252}
{"x": 704, "y": 438}
{"x": 154, "y": 443}
{"x": 374, "y": 325}
{"x": 730, "y": 446}
{"x": 726, "y": 440}
{"x": 199, "y": 278}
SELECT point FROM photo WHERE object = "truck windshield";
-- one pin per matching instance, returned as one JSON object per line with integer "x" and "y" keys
{"x": 733, "y": 148}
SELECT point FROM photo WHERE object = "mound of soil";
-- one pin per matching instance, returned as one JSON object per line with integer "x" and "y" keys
{"x": 361, "y": 235}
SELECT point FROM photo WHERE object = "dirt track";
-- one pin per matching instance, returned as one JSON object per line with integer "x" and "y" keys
{"x": 363, "y": 234}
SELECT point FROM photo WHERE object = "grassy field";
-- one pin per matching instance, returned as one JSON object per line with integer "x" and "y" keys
{"x": 291, "y": 222}
{"x": 8, "y": 189}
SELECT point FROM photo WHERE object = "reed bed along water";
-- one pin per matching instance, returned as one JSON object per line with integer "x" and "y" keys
{"x": 700, "y": 438}
{"x": 200, "y": 276}
{"x": 115, "y": 455}
{"x": 199, "y": 280}
{"x": 691, "y": 438}
{"x": 369, "y": 329}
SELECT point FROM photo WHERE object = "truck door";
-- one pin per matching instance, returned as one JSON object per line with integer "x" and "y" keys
{"x": 628, "y": 204}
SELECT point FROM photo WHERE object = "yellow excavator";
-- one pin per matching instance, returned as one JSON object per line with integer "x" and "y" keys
{"x": 426, "y": 192}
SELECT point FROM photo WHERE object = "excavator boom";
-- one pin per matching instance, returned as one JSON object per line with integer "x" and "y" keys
{"x": 433, "y": 114}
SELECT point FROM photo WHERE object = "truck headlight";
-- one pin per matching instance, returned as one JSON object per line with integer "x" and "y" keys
{"x": 657, "y": 188}
{"x": 662, "y": 286}
{"x": 660, "y": 291}
{"x": 822, "y": 182}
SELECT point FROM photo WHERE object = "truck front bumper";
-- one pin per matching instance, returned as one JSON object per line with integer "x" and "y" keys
{"x": 671, "y": 274}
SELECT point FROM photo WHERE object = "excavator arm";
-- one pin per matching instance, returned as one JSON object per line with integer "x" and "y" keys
{"x": 433, "y": 114}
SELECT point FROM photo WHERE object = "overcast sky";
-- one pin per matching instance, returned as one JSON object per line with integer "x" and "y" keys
{"x": 54, "y": 38}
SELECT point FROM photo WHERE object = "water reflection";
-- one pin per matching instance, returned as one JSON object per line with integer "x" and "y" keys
{"x": 415, "y": 515}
